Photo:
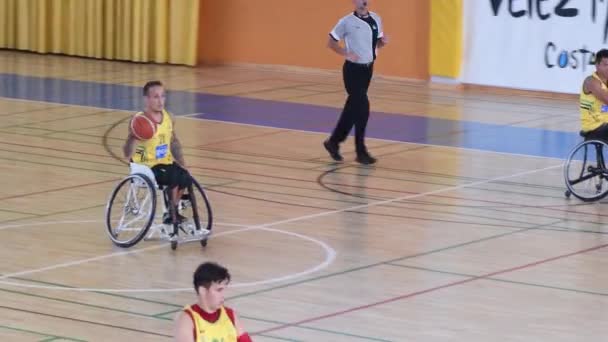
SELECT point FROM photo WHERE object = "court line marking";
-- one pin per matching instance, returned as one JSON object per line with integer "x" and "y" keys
{"x": 432, "y": 289}
{"x": 188, "y": 116}
{"x": 330, "y": 255}
{"x": 281, "y": 222}
{"x": 70, "y": 187}
{"x": 192, "y": 116}
{"x": 34, "y": 224}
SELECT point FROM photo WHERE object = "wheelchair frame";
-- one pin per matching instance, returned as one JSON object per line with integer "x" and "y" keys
{"x": 599, "y": 170}
{"x": 142, "y": 176}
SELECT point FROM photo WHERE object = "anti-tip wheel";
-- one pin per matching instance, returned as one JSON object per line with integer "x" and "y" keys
{"x": 568, "y": 193}
{"x": 173, "y": 245}
{"x": 204, "y": 242}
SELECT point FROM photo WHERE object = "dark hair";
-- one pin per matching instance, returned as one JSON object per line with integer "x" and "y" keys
{"x": 151, "y": 84}
{"x": 208, "y": 273}
{"x": 603, "y": 53}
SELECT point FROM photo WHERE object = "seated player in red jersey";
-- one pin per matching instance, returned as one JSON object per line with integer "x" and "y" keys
{"x": 209, "y": 319}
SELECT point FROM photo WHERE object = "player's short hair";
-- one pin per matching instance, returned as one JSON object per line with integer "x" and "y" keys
{"x": 603, "y": 53}
{"x": 150, "y": 85}
{"x": 208, "y": 273}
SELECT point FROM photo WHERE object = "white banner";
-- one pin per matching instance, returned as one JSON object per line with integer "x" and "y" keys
{"x": 533, "y": 44}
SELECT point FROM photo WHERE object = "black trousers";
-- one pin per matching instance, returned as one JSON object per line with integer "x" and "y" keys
{"x": 600, "y": 133}
{"x": 172, "y": 175}
{"x": 356, "y": 109}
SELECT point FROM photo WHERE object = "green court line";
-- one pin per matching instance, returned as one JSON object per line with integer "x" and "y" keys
{"x": 105, "y": 164}
{"x": 379, "y": 177}
{"x": 65, "y": 158}
{"x": 71, "y": 167}
{"x": 101, "y": 205}
{"x": 218, "y": 185}
{"x": 77, "y": 130}
{"x": 83, "y": 304}
{"x": 280, "y": 338}
{"x": 51, "y": 339}
{"x": 118, "y": 295}
{"x": 364, "y": 267}
{"x": 297, "y": 327}
{"x": 48, "y": 337}
{"x": 18, "y": 212}
{"x": 81, "y": 115}
{"x": 380, "y": 263}
{"x": 502, "y": 280}
{"x": 53, "y": 214}
{"x": 163, "y": 314}
{"x": 319, "y": 330}
{"x": 52, "y": 138}
{"x": 305, "y": 196}
{"x": 228, "y": 182}
{"x": 160, "y": 316}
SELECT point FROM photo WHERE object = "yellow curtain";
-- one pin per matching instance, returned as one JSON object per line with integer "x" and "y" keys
{"x": 446, "y": 38}
{"x": 160, "y": 31}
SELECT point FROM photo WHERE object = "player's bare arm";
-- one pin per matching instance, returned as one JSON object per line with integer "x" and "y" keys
{"x": 129, "y": 146}
{"x": 183, "y": 328}
{"x": 594, "y": 86}
{"x": 176, "y": 147}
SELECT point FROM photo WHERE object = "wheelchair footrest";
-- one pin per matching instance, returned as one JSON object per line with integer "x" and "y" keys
{"x": 163, "y": 232}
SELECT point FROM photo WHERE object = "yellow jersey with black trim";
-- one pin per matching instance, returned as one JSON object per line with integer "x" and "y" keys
{"x": 222, "y": 330}
{"x": 156, "y": 150}
{"x": 594, "y": 112}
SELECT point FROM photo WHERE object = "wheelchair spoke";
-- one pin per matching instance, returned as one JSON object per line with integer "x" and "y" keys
{"x": 585, "y": 171}
{"x": 132, "y": 207}
{"x": 134, "y": 202}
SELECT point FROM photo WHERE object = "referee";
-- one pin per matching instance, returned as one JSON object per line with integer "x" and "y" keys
{"x": 363, "y": 35}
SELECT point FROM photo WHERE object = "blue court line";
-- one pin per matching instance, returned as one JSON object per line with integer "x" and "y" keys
{"x": 306, "y": 117}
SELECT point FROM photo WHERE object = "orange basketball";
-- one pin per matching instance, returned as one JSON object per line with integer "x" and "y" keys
{"x": 142, "y": 127}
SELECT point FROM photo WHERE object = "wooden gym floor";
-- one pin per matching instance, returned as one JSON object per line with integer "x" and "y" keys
{"x": 460, "y": 233}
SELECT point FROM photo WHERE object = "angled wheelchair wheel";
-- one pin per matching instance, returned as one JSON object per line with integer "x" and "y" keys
{"x": 130, "y": 210}
{"x": 196, "y": 207}
{"x": 585, "y": 172}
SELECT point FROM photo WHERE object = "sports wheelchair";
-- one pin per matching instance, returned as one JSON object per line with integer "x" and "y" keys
{"x": 131, "y": 211}
{"x": 585, "y": 170}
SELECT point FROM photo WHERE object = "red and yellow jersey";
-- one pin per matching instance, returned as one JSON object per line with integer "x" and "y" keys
{"x": 215, "y": 327}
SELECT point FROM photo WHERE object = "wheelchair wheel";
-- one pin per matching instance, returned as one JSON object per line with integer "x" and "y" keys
{"x": 130, "y": 210}
{"x": 195, "y": 205}
{"x": 585, "y": 171}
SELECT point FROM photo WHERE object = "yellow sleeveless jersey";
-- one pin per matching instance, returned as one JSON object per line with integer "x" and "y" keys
{"x": 222, "y": 330}
{"x": 156, "y": 150}
{"x": 594, "y": 112}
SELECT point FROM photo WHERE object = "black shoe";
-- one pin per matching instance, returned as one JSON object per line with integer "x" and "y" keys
{"x": 333, "y": 149}
{"x": 167, "y": 218}
{"x": 366, "y": 159}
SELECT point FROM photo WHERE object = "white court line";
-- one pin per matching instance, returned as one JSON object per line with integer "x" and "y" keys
{"x": 330, "y": 255}
{"x": 189, "y": 116}
{"x": 106, "y": 256}
{"x": 34, "y": 224}
{"x": 295, "y": 219}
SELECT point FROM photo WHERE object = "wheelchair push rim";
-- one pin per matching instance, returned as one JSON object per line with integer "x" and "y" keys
{"x": 131, "y": 209}
{"x": 585, "y": 172}
{"x": 196, "y": 207}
